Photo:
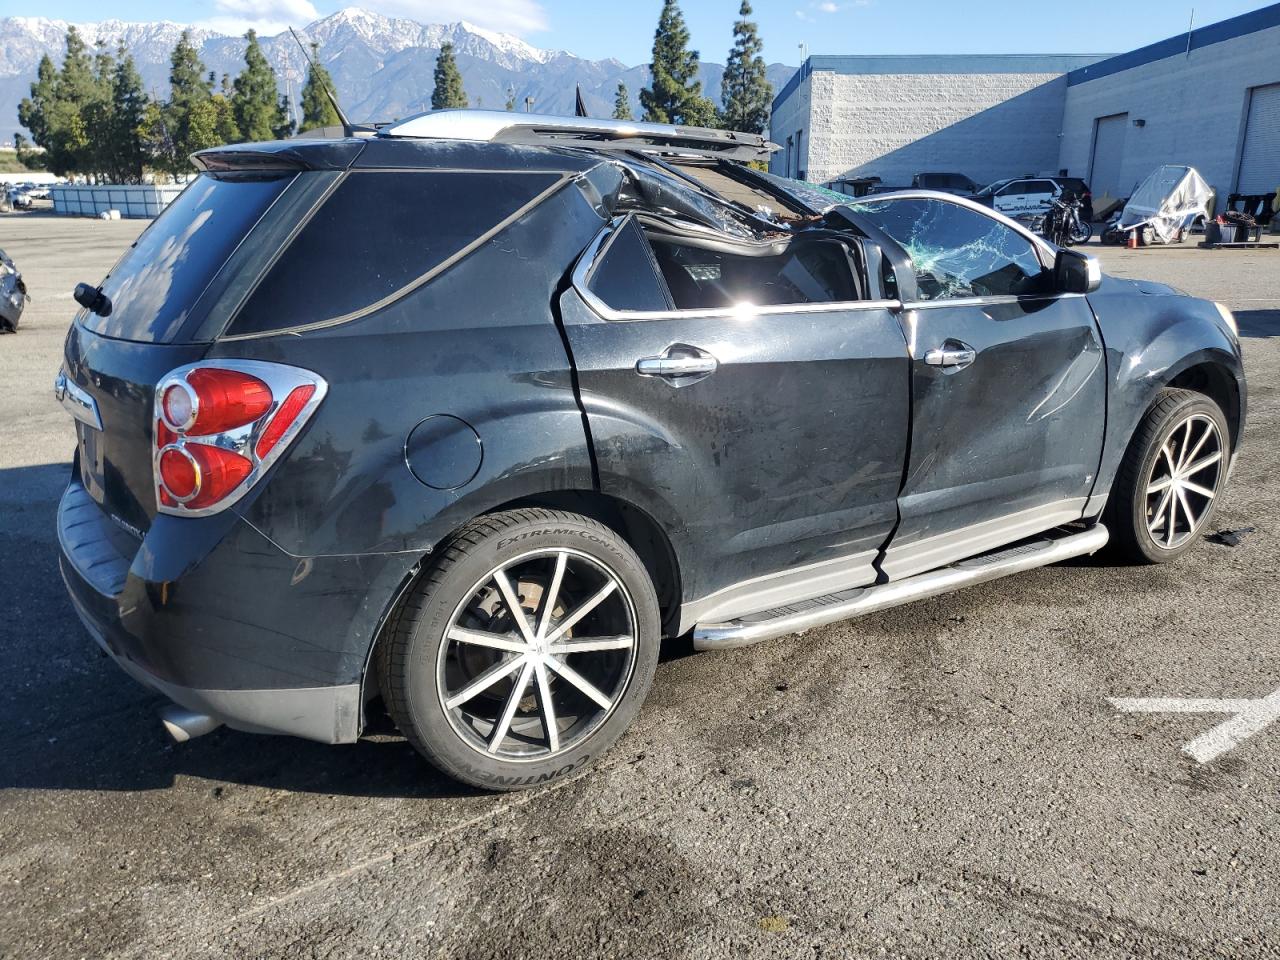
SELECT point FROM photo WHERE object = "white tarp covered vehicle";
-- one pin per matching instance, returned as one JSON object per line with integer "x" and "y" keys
{"x": 1167, "y": 202}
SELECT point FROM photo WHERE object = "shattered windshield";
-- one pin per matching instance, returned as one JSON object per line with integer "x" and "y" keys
{"x": 957, "y": 252}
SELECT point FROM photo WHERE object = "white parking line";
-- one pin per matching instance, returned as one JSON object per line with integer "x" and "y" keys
{"x": 1250, "y": 717}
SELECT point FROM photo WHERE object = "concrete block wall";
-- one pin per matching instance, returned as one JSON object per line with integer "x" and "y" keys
{"x": 1194, "y": 106}
{"x": 984, "y": 125}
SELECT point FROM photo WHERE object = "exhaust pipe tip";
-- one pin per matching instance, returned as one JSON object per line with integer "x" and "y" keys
{"x": 184, "y": 724}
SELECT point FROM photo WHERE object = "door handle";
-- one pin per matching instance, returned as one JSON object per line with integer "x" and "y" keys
{"x": 955, "y": 356}
{"x": 679, "y": 365}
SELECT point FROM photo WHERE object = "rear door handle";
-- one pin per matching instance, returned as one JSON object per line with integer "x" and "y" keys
{"x": 954, "y": 354}
{"x": 679, "y": 365}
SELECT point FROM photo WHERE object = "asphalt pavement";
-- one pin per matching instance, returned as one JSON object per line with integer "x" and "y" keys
{"x": 947, "y": 779}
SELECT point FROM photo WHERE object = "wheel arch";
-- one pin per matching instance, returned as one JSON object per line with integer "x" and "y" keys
{"x": 635, "y": 525}
{"x": 1215, "y": 380}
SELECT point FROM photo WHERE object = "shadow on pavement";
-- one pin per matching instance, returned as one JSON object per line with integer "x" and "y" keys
{"x": 74, "y": 721}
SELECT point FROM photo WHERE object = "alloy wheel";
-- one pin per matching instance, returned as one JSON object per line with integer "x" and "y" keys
{"x": 537, "y": 655}
{"x": 1183, "y": 481}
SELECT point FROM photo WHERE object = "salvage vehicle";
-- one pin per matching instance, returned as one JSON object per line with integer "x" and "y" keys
{"x": 956, "y": 183}
{"x": 469, "y": 412}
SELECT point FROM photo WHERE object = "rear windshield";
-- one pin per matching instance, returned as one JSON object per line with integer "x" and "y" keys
{"x": 379, "y": 235}
{"x": 154, "y": 286}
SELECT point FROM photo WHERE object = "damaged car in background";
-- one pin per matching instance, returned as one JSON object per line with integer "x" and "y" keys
{"x": 13, "y": 295}
{"x": 580, "y": 386}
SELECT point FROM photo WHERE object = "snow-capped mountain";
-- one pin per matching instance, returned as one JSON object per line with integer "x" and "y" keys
{"x": 382, "y": 66}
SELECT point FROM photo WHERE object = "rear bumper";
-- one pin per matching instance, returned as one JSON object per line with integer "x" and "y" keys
{"x": 177, "y": 636}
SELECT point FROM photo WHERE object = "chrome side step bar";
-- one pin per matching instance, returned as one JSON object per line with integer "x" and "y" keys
{"x": 819, "y": 611}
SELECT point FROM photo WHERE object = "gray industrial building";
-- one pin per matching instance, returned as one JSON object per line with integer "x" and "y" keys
{"x": 1209, "y": 98}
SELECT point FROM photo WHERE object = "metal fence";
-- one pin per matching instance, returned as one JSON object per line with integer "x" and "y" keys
{"x": 142, "y": 200}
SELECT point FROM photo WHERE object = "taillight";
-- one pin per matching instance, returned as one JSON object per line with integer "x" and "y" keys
{"x": 219, "y": 425}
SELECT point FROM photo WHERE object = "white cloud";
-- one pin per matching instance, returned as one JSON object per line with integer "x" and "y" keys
{"x": 828, "y": 7}
{"x": 268, "y": 17}
{"x": 507, "y": 16}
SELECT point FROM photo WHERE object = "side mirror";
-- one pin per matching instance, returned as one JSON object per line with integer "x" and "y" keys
{"x": 1075, "y": 272}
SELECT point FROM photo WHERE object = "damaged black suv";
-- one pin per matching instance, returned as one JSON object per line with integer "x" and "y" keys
{"x": 468, "y": 412}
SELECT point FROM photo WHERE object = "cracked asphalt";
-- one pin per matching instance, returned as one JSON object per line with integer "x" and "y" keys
{"x": 943, "y": 780}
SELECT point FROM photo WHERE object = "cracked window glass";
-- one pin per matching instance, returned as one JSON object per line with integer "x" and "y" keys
{"x": 958, "y": 252}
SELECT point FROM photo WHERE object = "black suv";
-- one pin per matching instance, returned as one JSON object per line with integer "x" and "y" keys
{"x": 469, "y": 412}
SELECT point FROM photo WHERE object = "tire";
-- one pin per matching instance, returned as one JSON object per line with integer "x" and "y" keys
{"x": 1081, "y": 232}
{"x": 1167, "y": 488}
{"x": 455, "y": 653}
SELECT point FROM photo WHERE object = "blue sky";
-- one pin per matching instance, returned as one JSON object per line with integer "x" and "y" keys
{"x": 624, "y": 28}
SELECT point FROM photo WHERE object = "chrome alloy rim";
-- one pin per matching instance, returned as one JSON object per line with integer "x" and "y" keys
{"x": 1183, "y": 481}
{"x": 537, "y": 655}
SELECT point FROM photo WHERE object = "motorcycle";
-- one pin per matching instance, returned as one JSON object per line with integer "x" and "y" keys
{"x": 1062, "y": 223}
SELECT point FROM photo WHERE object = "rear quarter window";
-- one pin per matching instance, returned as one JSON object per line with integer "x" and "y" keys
{"x": 157, "y": 282}
{"x": 379, "y": 235}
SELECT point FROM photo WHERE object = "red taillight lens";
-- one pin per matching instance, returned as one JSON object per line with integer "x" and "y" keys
{"x": 284, "y": 418}
{"x": 179, "y": 474}
{"x": 219, "y": 423}
{"x": 220, "y": 472}
{"x": 224, "y": 399}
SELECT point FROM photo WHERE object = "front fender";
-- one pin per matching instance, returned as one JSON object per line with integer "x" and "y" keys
{"x": 1151, "y": 338}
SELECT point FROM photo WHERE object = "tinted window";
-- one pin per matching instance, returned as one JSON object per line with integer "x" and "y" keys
{"x": 154, "y": 286}
{"x": 958, "y": 252}
{"x": 1013, "y": 188}
{"x": 808, "y": 272}
{"x": 627, "y": 277}
{"x": 378, "y": 234}
{"x": 1038, "y": 187}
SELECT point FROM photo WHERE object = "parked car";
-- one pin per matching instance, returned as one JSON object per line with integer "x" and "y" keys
{"x": 853, "y": 186}
{"x": 469, "y": 414}
{"x": 13, "y": 295}
{"x": 956, "y": 183}
{"x": 1025, "y": 197}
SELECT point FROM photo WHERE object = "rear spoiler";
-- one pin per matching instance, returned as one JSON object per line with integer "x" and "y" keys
{"x": 279, "y": 156}
{"x": 494, "y": 126}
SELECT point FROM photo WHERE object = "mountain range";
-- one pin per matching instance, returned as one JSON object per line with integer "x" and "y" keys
{"x": 382, "y": 66}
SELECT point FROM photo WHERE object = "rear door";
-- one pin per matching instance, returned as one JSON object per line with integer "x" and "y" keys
{"x": 752, "y": 400}
{"x": 1008, "y": 387}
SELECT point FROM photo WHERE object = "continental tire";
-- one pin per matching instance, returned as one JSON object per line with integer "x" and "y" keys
{"x": 1167, "y": 488}
{"x": 525, "y": 650}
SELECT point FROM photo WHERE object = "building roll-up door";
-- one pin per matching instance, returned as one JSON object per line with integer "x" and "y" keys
{"x": 1108, "y": 155}
{"x": 1260, "y": 156}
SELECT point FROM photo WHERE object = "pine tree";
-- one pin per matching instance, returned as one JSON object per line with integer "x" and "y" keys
{"x": 317, "y": 110}
{"x": 128, "y": 106}
{"x": 448, "y": 93}
{"x": 745, "y": 91}
{"x": 622, "y": 103}
{"x": 675, "y": 94}
{"x": 259, "y": 112}
{"x": 187, "y": 81}
{"x": 510, "y": 105}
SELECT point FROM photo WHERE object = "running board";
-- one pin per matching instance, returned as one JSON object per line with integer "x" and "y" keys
{"x": 802, "y": 616}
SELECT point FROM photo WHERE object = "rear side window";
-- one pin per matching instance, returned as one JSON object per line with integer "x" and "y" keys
{"x": 379, "y": 235}
{"x": 155, "y": 285}
{"x": 658, "y": 272}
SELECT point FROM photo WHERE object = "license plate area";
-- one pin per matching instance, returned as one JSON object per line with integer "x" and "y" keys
{"x": 91, "y": 461}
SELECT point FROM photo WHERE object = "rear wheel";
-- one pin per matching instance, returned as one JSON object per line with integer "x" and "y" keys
{"x": 1167, "y": 488}
{"x": 525, "y": 651}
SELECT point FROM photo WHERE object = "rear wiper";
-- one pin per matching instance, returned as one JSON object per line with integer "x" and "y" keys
{"x": 92, "y": 299}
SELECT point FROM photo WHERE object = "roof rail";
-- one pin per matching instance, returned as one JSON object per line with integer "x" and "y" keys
{"x": 500, "y": 126}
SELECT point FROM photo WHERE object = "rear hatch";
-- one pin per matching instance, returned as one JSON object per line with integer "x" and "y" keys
{"x": 166, "y": 297}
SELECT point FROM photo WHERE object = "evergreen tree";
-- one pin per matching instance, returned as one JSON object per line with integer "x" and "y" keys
{"x": 510, "y": 105}
{"x": 31, "y": 159}
{"x": 317, "y": 110}
{"x": 448, "y": 93}
{"x": 675, "y": 95}
{"x": 174, "y": 130}
{"x": 745, "y": 91}
{"x": 622, "y": 103}
{"x": 259, "y": 112}
{"x": 128, "y": 106}
{"x": 187, "y": 81}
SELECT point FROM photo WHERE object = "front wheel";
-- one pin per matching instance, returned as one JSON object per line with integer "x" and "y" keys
{"x": 1168, "y": 484}
{"x": 525, "y": 651}
{"x": 1081, "y": 232}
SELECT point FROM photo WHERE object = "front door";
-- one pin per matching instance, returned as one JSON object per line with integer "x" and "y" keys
{"x": 1008, "y": 388}
{"x": 752, "y": 401}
